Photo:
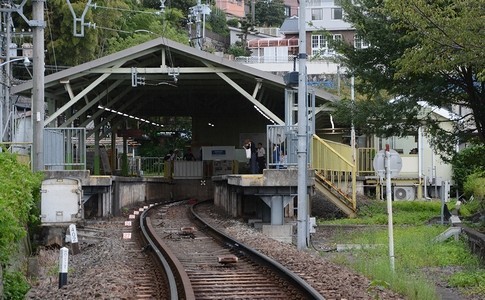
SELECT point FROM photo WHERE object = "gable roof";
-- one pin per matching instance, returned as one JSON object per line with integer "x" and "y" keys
{"x": 165, "y": 78}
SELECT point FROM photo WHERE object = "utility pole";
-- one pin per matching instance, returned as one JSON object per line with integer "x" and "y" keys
{"x": 198, "y": 13}
{"x": 38, "y": 85}
{"x": 5, "y": 95}
{"x": 302, "y": 150}
{"x": 253, "y": 12}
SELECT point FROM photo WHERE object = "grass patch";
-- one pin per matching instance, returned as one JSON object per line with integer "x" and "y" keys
{"x": 414, "y": 250}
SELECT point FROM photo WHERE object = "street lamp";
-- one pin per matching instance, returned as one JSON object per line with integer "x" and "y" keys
{"x": 25, "y": 59}
{"x": 144, "y": 31}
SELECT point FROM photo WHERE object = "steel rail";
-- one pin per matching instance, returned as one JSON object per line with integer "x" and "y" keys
{"x": 310, "y": 292}
{"x": 174, "y": 270}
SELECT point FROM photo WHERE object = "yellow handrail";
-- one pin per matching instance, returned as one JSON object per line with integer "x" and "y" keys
{"x": 334, "y": 161}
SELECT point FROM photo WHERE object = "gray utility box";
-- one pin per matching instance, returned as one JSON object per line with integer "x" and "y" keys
{"x": 61, "y": 201}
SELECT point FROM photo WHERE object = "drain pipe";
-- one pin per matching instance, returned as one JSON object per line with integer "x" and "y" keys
{"x": 426, "y": 188}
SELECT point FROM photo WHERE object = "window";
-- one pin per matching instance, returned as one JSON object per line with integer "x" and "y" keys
{"x": 287, "y": 11}
{"x": 321, "y": 46}
{"x": 317, "y": 14}
{"x": 337, "y": 2}
{"x": 360, "y": 43}
{"x": 314, "y": 3}
{"x": 337, "y": 13}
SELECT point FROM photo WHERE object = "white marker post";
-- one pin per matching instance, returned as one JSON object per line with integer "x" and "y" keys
{"x": 389, "y": 208}
{"x": 74, "y": 241}
{"x": 387, "y": 163}
{"x": 63, "y": 266}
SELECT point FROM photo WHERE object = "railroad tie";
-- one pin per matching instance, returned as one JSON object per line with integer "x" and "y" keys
{"x": 227, "y": 259}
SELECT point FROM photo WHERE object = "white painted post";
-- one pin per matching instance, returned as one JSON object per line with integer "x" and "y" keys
{"x": 63, "y": 266}
{"x": 389, "y": 207}
{"x": 74, "y": 241}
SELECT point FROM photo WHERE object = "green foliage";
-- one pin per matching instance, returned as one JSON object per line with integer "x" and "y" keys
{"x": 119, "y": 25}
{"x": 474, "y": 279}
{"x": 414, "y": 250}
{"x": 470, "y": 207}
{"x": 217, "y": 21}
{"x": 404, "y": 212}
{"x": 159, "y": 145}
{"x": 441, "y": 67}
{"x": 270, "y": 13}
{"x": 15, "y": 285}
{"x": 62, "y": 47}
{"x": 475, "y": 186}
{"x": 237, "y": 49}
{"x": 17, "y": 201}
{"x": 233, "y": 22}
{"x": 141, "y": 28}
{"x": 182, "y": 5}
{"x": 467, "y": 161}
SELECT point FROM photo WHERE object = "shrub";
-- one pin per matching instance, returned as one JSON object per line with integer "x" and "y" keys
{"x": 18, "y": 207}
{"x": 475, "y": 186}
{"x": 15, "y": 285}
{"x": 238, "y": 50}
{"x": 233, "y": 22}
{"x": 19, "y": 210}
{"x": 468, "y": 161}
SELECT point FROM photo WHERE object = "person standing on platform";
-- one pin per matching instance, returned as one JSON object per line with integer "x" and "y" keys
{"x": 261, "y": 158}
{"x": 189, "y": 156}
{"x": 253, "y": 165}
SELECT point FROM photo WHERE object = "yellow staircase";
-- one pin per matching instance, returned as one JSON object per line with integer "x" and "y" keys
{"x": 335, "y": 173}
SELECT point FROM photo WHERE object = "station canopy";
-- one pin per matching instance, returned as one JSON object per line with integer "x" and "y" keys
{"x": 161, "y": 78}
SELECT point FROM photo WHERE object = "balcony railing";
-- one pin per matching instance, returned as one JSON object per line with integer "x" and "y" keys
{"x": 262, "y": 59}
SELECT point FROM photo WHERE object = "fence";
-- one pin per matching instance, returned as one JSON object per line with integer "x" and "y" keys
{"x": 262, "y": 59}
{"x": 282, "y": 145}
{"x": 65, "y": 148}
{"x": 156, "y": 166}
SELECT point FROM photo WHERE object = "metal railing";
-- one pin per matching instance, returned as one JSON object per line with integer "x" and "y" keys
{"x": 65, "y": 148}
{"x": 152, "y": 166}
{"x": 262, "y": 59}
{"x": 334, "y": 161}
{"x": 282, "y": 145}
{"x": 365, "y": 157}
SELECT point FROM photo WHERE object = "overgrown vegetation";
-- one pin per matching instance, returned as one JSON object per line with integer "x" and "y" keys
{"x": 19, "y": 196}
{"x": 467, "y": 161}
{"x": 416, "y": 253}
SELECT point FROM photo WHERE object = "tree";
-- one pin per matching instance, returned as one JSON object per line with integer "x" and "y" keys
{"x": 420, "y": 52}
{"x": 141, "y": 28}
{"x": 217, "y": 21}
{"x": 270, "y": 13}
{"x": 63, "y": 48}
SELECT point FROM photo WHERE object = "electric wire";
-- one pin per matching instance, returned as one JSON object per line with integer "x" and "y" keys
{"x": 95, "y": 6}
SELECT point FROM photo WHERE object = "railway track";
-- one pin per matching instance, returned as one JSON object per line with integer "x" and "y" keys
{"x": 203, "y": 263}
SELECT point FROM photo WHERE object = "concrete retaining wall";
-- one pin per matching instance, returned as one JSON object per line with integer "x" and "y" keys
{"x": 130, "y": 191}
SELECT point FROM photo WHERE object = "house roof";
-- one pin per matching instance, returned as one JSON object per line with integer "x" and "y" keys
{"x": 290, "y": 25}
{"x": 163, "y": 78}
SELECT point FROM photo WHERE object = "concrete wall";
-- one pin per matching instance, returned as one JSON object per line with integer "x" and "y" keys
{"x": 130, "y": 191}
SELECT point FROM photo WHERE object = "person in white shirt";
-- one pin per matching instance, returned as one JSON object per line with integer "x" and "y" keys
{"x": 261, "y": 158}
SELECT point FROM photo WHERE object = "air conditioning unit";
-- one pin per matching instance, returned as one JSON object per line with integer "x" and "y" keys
{"x": 404, "y": 193}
